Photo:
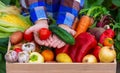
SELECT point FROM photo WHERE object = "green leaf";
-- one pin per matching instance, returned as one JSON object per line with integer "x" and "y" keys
{"x": 89, "y": 3}
{"x": 4, "y": 42}
{"x": 3, "y": 66}
{"x": 15, "y": 2}
{"x": 83, "y": 11}
{"x": 26, "y": 19}
{"x": 98, "y": 2}
{"x": 107, "y": 3}
{"x": 3, "y": 50}
{"x": 7, "y": 2}
{"x": 117, "y": 45}
{"x": 118, "y": 37}
{"x": 1, "y": 57}
{"x": 118, "y": 57}
{"x": 118, "y": 16}
{"x": 3, "y": 45}
{"x": 116, "y": 2}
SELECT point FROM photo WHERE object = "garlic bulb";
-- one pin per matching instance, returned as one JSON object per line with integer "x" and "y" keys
{"x": 29, "y": 47}
{"x": 11, "y": 56}
{"x": 23, "y": 57}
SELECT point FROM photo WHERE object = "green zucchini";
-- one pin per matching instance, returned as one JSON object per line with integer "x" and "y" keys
{"x": 62, "y": 34}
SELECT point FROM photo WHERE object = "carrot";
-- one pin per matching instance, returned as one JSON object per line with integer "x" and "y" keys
{"x": 75, "y": 23}
{"x": 86, "y": 20}
{"x": 83, "y": 24}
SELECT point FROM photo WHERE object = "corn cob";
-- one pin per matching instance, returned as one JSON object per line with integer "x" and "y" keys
{"x": 9, "y": 9}
{"x": 14, "y": 19}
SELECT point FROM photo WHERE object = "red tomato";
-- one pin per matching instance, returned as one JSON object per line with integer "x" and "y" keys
{"x": 44, "y": 33}
{"x": 28, "y": 37}
{"x": 18, "y": 50}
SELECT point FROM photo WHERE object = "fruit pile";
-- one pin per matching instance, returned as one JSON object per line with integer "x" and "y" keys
{"x": 85, "y": 49}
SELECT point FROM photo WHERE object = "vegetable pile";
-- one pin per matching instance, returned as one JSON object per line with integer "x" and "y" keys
{"x": 96, "y": 40}
{"x": 93, "y": 42}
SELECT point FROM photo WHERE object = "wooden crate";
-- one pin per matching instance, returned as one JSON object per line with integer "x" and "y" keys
{"x": 60, "y": 67}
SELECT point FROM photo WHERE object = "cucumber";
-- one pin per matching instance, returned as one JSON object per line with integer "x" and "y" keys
{"x": 62, "y": 34}
{"x": 51, "y": 20}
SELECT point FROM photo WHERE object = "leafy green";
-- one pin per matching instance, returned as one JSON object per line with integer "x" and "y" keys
{"x": 95, "y": 12}
{"x": 3, "y": 50}
{"x": 118, "y": 57}
{"x": 113, "y": 6}
{"x": 117, "y": 45}
{"x": 26, "y": 19}
{"x": 89, "y": 3}
{"x": 1, "y": 57}
{"x": 116, "y": 2}
{"x": 118, "y": 16}
{"x": 107, "y": 3}
{"x": 4, "y": 35}
{"x": 15, "y": 2}
{"x": 118, "y": 36}
{"x": 3, "y": 66}
{"x": 3, "y": 45}
{"x": 11, "y": 2}
{"x": 4, "y": 42}
{"x": 7, "y": 2}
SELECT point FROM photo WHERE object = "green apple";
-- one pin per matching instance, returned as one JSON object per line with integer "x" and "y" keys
{"x": 36, "y": 57}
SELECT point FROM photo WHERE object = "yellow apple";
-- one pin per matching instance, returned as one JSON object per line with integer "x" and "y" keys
{"x": 89, "y": 59}
{"x": 107, "y": 54}
{"x": 63, "y": 58}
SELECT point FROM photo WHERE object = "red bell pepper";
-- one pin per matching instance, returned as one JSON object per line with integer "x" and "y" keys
{"x": 72, "y": 51}
{"x": 84, "y": 43}
{"x": 108, "y": 33}
{"x": 64, "y": 49}
{"x": 96, "y": 52}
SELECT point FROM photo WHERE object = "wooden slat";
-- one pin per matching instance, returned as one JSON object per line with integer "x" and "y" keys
{"x": 61, "y": 68}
